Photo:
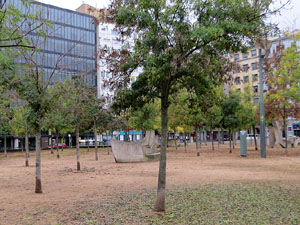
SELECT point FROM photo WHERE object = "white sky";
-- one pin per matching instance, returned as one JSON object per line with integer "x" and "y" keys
{"x": 289, "y": 18}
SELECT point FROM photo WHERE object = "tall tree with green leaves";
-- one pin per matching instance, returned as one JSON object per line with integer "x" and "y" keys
{"x": 21, "y": 126}
{"x": 230, "y": 108}
{"x": 79, "y": 102}
{"x": 5, "y": 117}
{"x": 171, "y": 35}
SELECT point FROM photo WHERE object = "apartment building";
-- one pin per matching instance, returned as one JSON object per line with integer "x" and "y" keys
{"x": 246, "y": 71}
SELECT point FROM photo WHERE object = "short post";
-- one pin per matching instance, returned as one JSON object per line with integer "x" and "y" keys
{"x": 243, "y": 143}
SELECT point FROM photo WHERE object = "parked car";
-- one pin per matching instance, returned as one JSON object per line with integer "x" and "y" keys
{"x": 59, "y": 145}
{"x": 251, "y": 136}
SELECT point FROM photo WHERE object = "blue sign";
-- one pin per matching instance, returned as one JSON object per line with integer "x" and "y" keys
{"x": 131, "y": 132}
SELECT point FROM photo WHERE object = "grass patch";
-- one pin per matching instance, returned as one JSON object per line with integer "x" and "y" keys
{"x": 214, "y": 204}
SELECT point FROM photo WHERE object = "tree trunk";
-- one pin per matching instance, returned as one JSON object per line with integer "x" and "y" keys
{"x": 38, "y": 183}
{"x": 205, "y": 137}
{"x": 51, "y": 142}
{"x": 233, "y": 140}
{"x": 88, "y": 144}
{"x": 5, "y": 146}
{"x": 197, "y": 141}
{"x": 212, "y": 140}
{"x": 26, "y": 149}
{"x": 175, "y": 139}
{"x": 62, "y": 143}
{"x": 21, "y": 142}
{"x": 285, "y": 131}
{"x": 219, "y": 137}
{"x": 185, "y": 142}
{"x": 223, "y": 137}
{"x": 254, "y": 136}
{"x": 77, "y": 149}
{"x": 230, "y": 149}
{"x": 57, "y": 148}
{"x": 161, "y": 187}
{"x": 272, "y": 138}
{"x": 96, "y": 144}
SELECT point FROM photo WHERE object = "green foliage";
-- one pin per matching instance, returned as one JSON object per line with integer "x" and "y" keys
{"x": 21, "y": 121}
{"x": 5, "y": 113}
{"x": 145, "y": 118}
{"x": 230, "y": 107}
{"x": 247, "y": 111}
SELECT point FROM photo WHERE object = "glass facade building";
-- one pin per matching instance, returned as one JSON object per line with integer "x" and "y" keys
{"x": 70, "y": 46}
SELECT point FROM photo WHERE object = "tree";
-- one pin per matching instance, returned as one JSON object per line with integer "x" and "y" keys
{"x": 20, "y": 125}
{"x": 230, "y": 107}
{"x": 170, "y": 35}
{"x": 56, "y": 119}
{"x": 13, "y": 29}
{"x": 283, "y": 81}
{"x": 79, "y": 97}
{"x": 247, "y": 112}
{"x": 5, "y": 117}
{"x": 145, "y": 118}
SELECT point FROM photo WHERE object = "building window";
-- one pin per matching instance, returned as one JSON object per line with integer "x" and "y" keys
{"x": 256, "y": 100}
{"x": 254, "y": 66}
{"x": 237, "y": 81}
{"x": 255, "y": 89}
{"x": 236, "y": 57}
{"x": 246, "y": 79}
{"x": 255, "y": 77}
{"x": 253, "y": 53}
{"x": 245, "y": 67}
{"x": 245, "y": 56}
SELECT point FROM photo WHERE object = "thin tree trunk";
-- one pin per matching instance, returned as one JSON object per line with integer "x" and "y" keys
{"x": 185, "y": 142}
{"x": 223, "y": 142}
{"x": 233, "y": 140}
{"x": 205, "y": 137}
{"x": 51, "y": 142}
{"x": 21, "y": 142}
{"x": 230, "y": 149}
{"x": 5, "y": 146}
{"x": 62, "y": 143}
{"x": 219, "y": 137}
{"x": 26, "y": 149}
{"x": 175, "y": 139}
{"x": 77, "y": 149}
{"x": 88, "y": 144}
{"x": 38, "y": 183}
{"x": 197, "y": 141}
{"x": 285, "y": 130}
{"x": 161, "y": 187}
{"x": 57, "y": 148}
{"x": 212, "y": 140}
{"x": 255, "y": 141}
{"x": 200, "y": 139}
{"x": 96, "y": 144}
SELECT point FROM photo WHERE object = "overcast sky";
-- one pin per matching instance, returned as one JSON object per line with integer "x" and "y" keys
{"x": 289, "y": 18}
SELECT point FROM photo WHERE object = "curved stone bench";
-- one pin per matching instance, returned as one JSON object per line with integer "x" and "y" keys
{"x": 132, "y": 152}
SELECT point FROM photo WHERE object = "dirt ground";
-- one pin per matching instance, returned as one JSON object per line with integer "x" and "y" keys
{"x": 64, "y": 187}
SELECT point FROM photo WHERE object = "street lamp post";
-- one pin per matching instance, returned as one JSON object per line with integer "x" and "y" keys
{"x": 70, "y": 144}
{"x": 262, "y": 109}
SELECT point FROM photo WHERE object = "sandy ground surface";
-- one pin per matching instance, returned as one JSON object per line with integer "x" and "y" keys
{"x": 64, "y": 187}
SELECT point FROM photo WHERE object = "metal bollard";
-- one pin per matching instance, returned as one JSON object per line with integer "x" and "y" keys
{"x": 243, "y": 143}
